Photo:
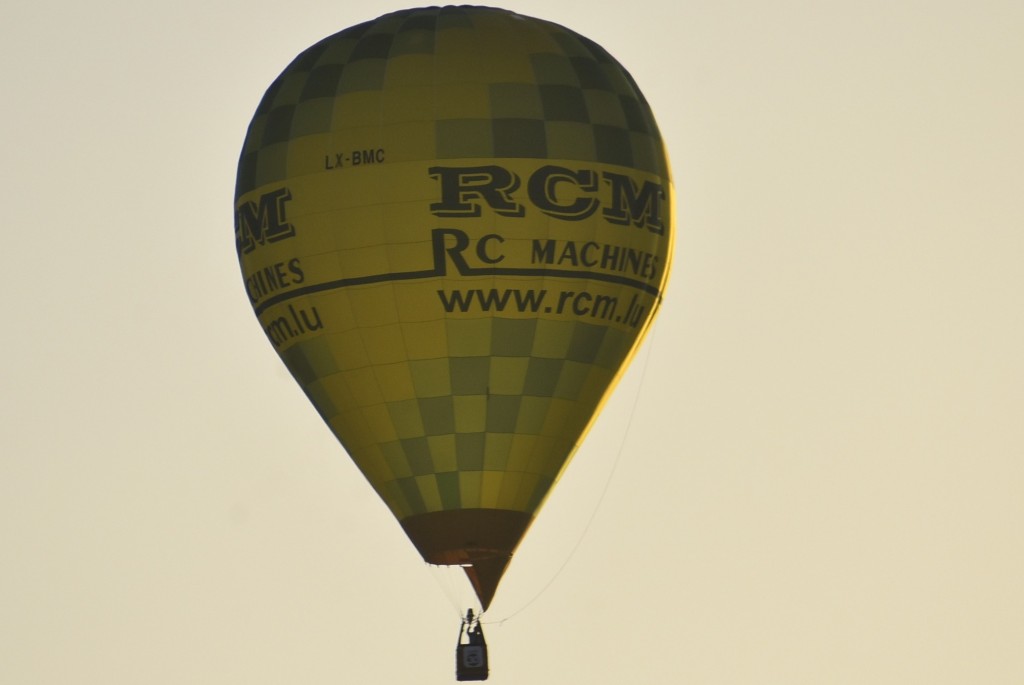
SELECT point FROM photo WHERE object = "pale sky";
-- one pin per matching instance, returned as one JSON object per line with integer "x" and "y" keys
{"x": 812, "y": 475}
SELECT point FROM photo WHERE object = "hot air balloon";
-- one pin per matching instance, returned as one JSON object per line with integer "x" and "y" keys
{"x": 454, "y": 225}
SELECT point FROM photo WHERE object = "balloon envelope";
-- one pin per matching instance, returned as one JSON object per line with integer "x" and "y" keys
{"x": 454, "y": 226}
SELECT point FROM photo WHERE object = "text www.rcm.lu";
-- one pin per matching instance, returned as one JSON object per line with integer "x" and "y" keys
{"x": 582, "y": 303}
{"x": 299, "y": 321}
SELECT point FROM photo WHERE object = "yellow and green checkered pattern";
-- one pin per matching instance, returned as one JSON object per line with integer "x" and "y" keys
{"x": 459, "y": 414}
{"x": 453, "y": 82}
{"x": 445, "y": 409}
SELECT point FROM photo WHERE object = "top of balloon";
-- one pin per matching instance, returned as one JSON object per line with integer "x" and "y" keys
{"x": 498, "y": 84}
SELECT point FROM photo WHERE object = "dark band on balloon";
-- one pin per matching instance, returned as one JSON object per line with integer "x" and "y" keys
{"x": 441, "y": 271}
